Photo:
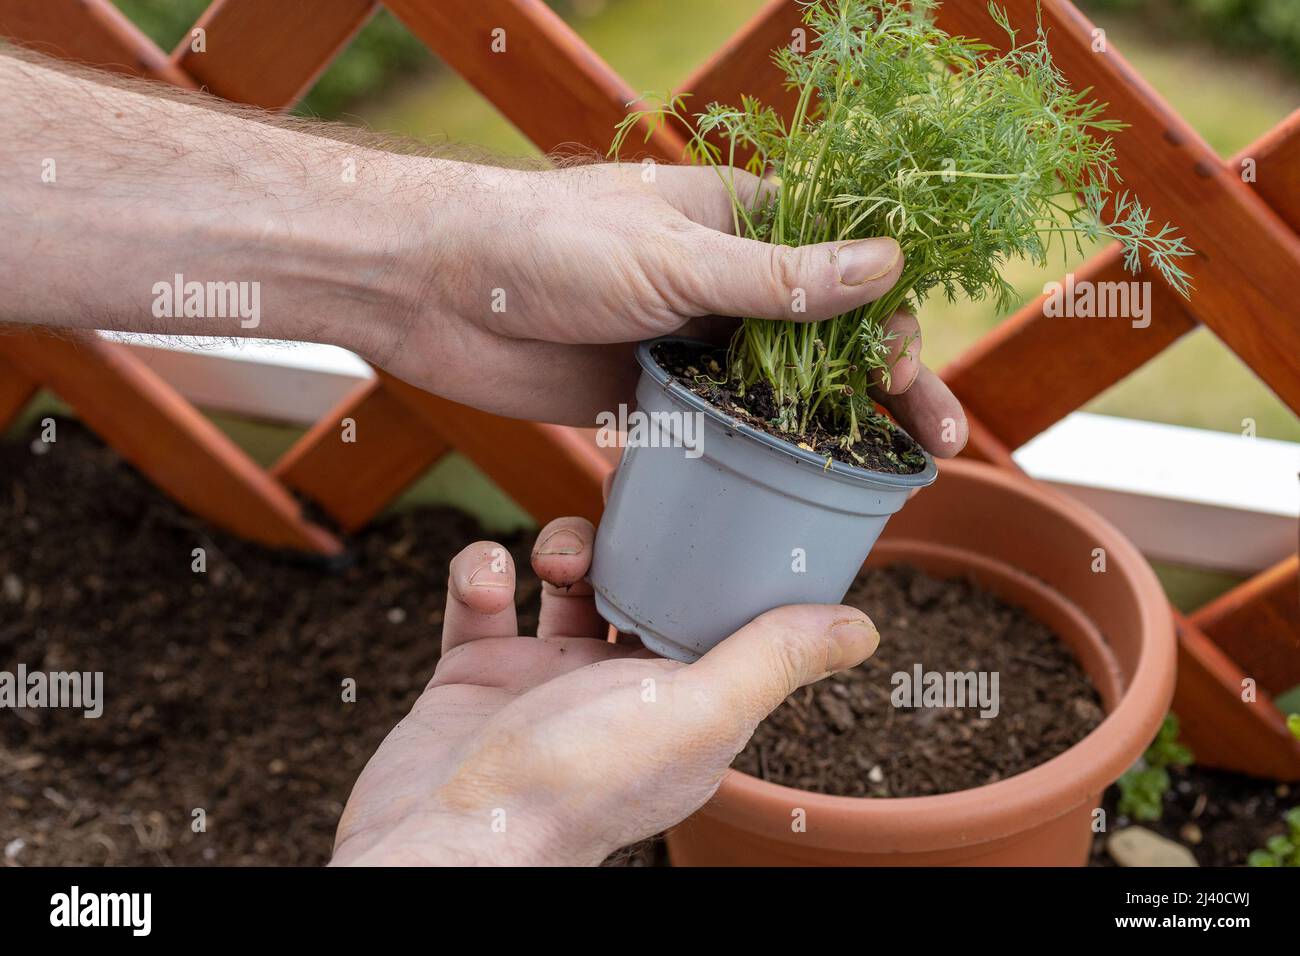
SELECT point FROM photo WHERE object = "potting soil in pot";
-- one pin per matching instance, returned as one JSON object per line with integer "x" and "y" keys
{"x": 884, "y": 447}
{"x": 845, "y": 736}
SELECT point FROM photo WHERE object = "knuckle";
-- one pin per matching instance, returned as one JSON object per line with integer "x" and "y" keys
{"x": 785, "y": 266}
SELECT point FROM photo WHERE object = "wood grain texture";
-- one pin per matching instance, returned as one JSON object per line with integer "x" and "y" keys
{"x": 93, "y": 32}
{"x": 270, "y": 54}
{"x": 1276, "y": 158}
{"x": 1223, "y": 730}
{"x": 1257, "y": 624}
{"x": 165, "y": 437}
{"x": 354, "y": 481}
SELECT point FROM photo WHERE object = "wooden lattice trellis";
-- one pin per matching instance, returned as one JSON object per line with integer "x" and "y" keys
{"x": 1021, "y": 378}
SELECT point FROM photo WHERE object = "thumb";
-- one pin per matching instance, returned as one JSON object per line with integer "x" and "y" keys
{"x": 751, "y": 279}
{"x": 767, "y": 660}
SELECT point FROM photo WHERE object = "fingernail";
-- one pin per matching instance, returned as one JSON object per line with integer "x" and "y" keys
{"x": 562, "y": 541}
{"x": 478, "y": 577}
{"x": 855, "y": 639}
{"x": 866, "y": 259}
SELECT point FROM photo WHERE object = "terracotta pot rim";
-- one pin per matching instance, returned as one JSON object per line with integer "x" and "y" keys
{"x": 997, "y": 810}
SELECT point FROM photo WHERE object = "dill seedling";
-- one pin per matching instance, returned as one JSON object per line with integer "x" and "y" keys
{"x": 967, "y": 158}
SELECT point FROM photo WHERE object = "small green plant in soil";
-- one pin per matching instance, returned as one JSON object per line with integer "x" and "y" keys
{"x": 967, "y": 157}
{"x": 1144, "y": 785}
{"x": 1283, "y": 849}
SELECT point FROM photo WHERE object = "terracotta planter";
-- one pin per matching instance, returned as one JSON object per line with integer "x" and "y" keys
{"x": 1033, "y": 548}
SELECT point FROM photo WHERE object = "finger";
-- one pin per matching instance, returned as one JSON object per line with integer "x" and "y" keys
{"x": 703, "y": 195}
{"x": 480, "y": 595}
{"x": 562, "y": 558}
{"x": 903, "y": 339}
{"x": 774, "y": 655}
{"x": 726, "y": 275}
{"x": 930, "y": 413}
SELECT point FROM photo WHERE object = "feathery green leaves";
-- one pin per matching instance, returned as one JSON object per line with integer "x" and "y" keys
{"x": 967, "y": 157}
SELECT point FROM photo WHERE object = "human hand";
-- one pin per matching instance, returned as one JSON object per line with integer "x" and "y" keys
{"x": 519, "y": 292}
{"x": 562, "y": 748}
{"x": 556, "y": 272}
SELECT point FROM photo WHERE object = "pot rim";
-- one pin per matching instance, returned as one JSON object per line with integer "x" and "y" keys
{"x": 771, "y": 443}
{"x": 998, "y": 810}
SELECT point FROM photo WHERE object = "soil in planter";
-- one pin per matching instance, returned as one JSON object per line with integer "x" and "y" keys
{"x": 843, "y": 736}
{"x": 1221, "y": 817}
{"x": 222, "y": 690}
{"x": 884, "y": 446}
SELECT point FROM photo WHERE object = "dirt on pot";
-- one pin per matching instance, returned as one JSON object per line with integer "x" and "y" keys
{"x": 845, "y": 737}
{"x": 884, "y": 447}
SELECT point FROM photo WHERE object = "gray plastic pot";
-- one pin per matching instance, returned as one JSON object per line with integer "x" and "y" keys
{"x": 696, "y": 542}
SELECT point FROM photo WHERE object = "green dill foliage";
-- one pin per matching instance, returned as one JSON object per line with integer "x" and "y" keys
{"x": 1293, "y": 724}
{"x": 1283, "y": 849}
{"x": 966, "y": 157}
{"x": 1143, "y": 786}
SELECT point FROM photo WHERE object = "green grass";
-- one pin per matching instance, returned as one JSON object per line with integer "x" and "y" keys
{"x": 1230, "y": 101}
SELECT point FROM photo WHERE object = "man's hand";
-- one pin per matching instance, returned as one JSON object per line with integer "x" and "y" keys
{"x": 560, "y": 749}
{"x": 557, "y": 271}
{"x": 518, "y": 292}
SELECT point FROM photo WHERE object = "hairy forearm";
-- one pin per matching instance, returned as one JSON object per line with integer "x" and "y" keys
{"x": 117, "y": 200}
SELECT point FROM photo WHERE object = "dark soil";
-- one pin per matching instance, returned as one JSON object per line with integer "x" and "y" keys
{"x": 843, "y": 736}
{"x": 223, "y": 690}
{"x": 884, "y": 446}
{"x": 1221, "y": 817}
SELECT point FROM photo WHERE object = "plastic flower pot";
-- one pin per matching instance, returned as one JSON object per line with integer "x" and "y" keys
{"x": 697, "y": 541}
{"x": 1034, "y": 548}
